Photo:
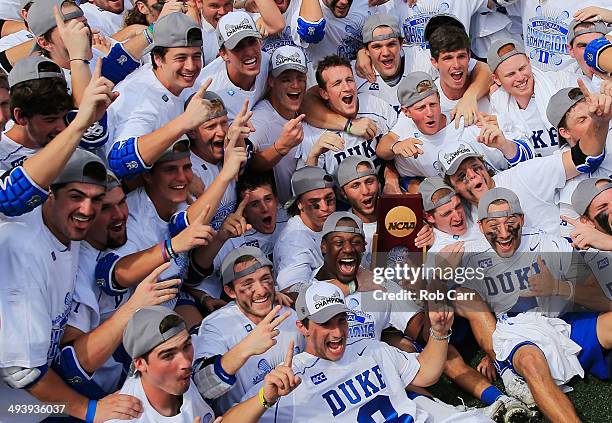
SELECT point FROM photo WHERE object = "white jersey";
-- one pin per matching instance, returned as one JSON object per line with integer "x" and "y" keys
{"x": 14, "y": 39}
{"x": 414, "y": 59}
{"x": 289, "y": 35}
{"x": 269, "y": 126}
{"x": 214, "y": 338}
{"x": 426, "y": 164}
{"x": 193, "y": 405}
{"x": 9, "y": 10}
{"x": 506, "y": 278}
{"x": 210, "y": 44}
{"x": 599, "y": 263}
{"x": 13, "y": 154}
{"x": 297, "y": 253}
{"x": 35, "y": 297}
{"x": 212, "y": 284}
{"x": 447, "y": 105}
{"x": 545, "y": 138}
{"x": 545, "y": 25}
{"x": 443, "y": 239}
{"x": 207, "y": 172}
{"x": 143, "y": 106}
{"x": 369, "y": 107}
{"x": 369, "y": 229}
{"x": 108, "y": 23}
{"x": 233, "y": 96}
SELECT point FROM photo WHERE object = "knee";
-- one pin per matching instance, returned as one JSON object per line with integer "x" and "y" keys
{"x": 530, "y": 363}
{"x": 604, "y": 330}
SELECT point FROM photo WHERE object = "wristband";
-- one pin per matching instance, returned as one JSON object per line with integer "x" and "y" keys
{"x": 593, "y": 51}
{"x": 169, "y": 250}
{"x": 440, "y": 338}
{"x": 148, "y": 34}
{"x": 164, "y": 252}
{"x": 263, "y": 400}
{"x": 151, "y": 27}
{"x": 276, "y": 149}
{"x": 393, "y": 145}
{"x": 80, "y": 59}
{"x": 91, "y": 411}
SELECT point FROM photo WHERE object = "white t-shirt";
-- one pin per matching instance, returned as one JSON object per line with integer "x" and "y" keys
{"x": 268, "y": 126}
{"x": 193, "y": 405}
{"x": 599, "y": 263}
{"x": 232, "y": 95}
{"x": 12, "y": 154}
{"x": 9, "y": 10}
{"x": 447, "y": 105}
{"x": 426, "y": 164}
{"x": 214, "y": 338}
{"x": 39, "y": 275}
{"x": 506, "y": 278}
{"x": 370, "y": 107}
{"x": 108, "y": 23}
{"x": 287, "y": 36}
{"x": 210, "y": 44}
{"x": 296, "y": 254}
{"x": 369, "y": 229}
{"x": 442, "y": 239}
{"x": 545, "y": 27}
{"x": 369, "y": 380}
{"x": 207, "y": 172}
{"x": 545, "y": 139}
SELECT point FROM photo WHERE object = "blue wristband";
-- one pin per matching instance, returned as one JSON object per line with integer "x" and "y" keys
{"x": 593, "y": 50}
{"x": 91, "y": 411}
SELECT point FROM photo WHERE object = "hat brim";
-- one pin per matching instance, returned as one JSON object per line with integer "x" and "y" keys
{"x": 233, "y": 41}
{"x": 457, "y": 162}
{"x": 288, "y": 66}
{"x": 328, "y": 313}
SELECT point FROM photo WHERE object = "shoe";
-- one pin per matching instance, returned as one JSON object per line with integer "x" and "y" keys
{"x": 515, "y": 411}
{"x": 517, "y": 388}
{"x": 495, "y": 411}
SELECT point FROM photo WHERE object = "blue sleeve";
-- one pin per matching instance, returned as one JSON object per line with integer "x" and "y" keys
{"x": 68, "y": 368}
{"x": 124, "y": 160}
{"x": 104, "y": 274}
{"x": 96, "y": 135}
{"x": 118, "y": 64}
{"x": 18, "y": 193}
{"x": 178, "y": 222}
{"x": 524, "y": 152}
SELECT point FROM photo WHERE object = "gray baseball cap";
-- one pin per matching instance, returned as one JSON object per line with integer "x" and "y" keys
{"x": 308, "y": 179}
{"x": 560, "y": 103}
{"x": 320, "y": 302}
{"x": 429, "y": 187}
{"x": 331, "y": 224}
{"x": 33, "y": 67}
{"x": 586, "y": 191}
{"x": 112, "y": 181}
{"x": 213, "y": 97}
{"x": 437, "y": 21}
{"x": 493, "y": 57}
{"x": 288, "y": 57}
{"x": 495, "y": 194}
{"x": 590, "y": 28}
{"x": 144, "y": 332}
{"x": 377, "y": 20}
{"x": 41, "y": 18}
{"x": 414, "y": 87}
{"x": 235, "y": 27}
{"x": 177, "y": 30}
{"x": 227, "y": 266}
{"x": 178, "y": 150}
{"x": 452, "y": 155}
{"x": 84, "y": 167}
{"x": 24, "y": 3}
{"x": 347, "y": 170}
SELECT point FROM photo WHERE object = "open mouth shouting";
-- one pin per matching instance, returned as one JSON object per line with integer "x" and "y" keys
{"x": 294, "y": 96}
{"x": 82, "y": 222}
{"x": 268, "y": 224}
{"x": 335, "y": 346}
{"x": 457, "y": 76}
{"x": 348, "y": 99}
{"x": 251, "y": 63}
{"x": 347, "y": 267}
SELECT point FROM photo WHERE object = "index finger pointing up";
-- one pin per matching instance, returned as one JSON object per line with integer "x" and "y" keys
{"x": 289, "y": 356}
{"x": 585, "y": 91}
{"x": 243, "y": 203}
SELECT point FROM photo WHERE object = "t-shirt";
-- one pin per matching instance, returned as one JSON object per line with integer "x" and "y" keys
{"x": 287, "y": 36}
{"x": 447, "y": 105}
{"x": 193, "y": 405}
{"x": 9, "y": 9}
{"x": 369, "y": 380}
{"x": 233, "y": 96}
{"x": 210, "y": 44}
{"x": 426, "y": 164}
{"x": 506, "y": 278}
{"x": 369, "y": 107}
{"x": 599, "y": 263}
{"x": 545, "y": 139}
{"x": 214, "y": 338}
{"x": 12, "y": 154}
{"x": 369, "y": 229}
{"x": 35, "y": 297}
{"x": 296, "y": 254}
{"x": 108, "y": 23}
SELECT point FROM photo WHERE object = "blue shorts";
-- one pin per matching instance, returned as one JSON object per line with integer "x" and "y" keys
{"x": 592, "y": 357}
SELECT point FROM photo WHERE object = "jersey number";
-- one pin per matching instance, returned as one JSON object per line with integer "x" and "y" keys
{"x": 381, "y": 404}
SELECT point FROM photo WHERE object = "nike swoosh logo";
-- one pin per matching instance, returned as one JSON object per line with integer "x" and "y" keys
{"x": 361, "y": 353}
{"x": 533, "y": 249}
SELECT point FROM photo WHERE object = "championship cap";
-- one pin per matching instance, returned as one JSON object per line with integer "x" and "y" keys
{"x": 320, "y": 302}
{"x": 217, "y": 103}
{"x": 235, "y": 27}
{"x": 493, "y": 57}
{"x": 443, "y": 19}
{"x": 586, "y": 191}
{"x": 288, "y": 57}
{"x": 146, "y": 329}
{"x": 41, "y": 18}
{"x": 347, "y": 170}
{"x": 112, "y": 181}
{"x": 331, "y": 224}
{"x": 176, "y": 30}
{"x": 308, "y": 179}
{"x": 414, "y": 87}
{"x": 452, "y": 155}
{"x": 598, "y": 27}
{"x": 429, "y": 187}
{"x": 33, "y": 67}
{"x": 84, "y": 167}
{"x": 560, "y": 103}
{"x": 495, "y": 194}
{"x": 227, "y": 266}
{"x": 178, "y": 150}
{"x": 378, "y": 20}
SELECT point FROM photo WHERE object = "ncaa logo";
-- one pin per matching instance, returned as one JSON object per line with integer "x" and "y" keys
{"x": 485, "y": 263}
{"x": 603, "y": 263}
{"x": 318, "y": 378}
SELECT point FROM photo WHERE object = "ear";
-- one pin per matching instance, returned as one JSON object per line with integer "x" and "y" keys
{"x": 223, "y": 54}
{"x": 496, "y": 79}
{"x": 481, "y": 227}
{"x": 229, "y": 291}
{"x": 142, "y": 8}
{"x": 193, "y": 135}
{"x": 148, "y": 178}
{"x": 406, "y": 111}
{"x": 434, "y": 62}
{"x": 270, "y": 81}
{"x": 303, "y": 330}
{"x": 570, "y": 50}
{"x": 323, "y": 94}
{"x": 20, "y": 119}
{"x": 140, "y": 364}
{"x": 429, "y": 218}
{"x": 323, "y": 247}
{"x": 44, "y": 44}
{"x": 586, "y": 221}
{"x": 565, "y": 134}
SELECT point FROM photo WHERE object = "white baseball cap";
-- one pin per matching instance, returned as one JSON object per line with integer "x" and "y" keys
{"x": 235, "y": 27}
{"x": 320, "y": 302}
{"x": 288, "y": 57}
{"x": 451, "y": 156}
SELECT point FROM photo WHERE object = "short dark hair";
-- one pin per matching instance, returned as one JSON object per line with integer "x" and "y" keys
{"x": 250, "y": 181}
{"x": 330, "y": 62}
{"x": 47, "y": 96}
{"x": 158, "y": 51}
{"x": 448, "y": 38}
